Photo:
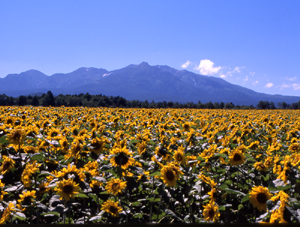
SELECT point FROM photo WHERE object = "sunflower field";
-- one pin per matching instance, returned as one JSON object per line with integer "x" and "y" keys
{"x": 111, "y": 165}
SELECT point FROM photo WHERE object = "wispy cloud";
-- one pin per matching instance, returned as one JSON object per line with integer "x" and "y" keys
{"x": 223, "y": 76}
{"x": 294, "y": 86}
{"x": 237, "y": 69}
{"x": 255, "y": 82}
{"x": 246, "y": 78}
{"x": 206, "y": 67}
{"x": 185, "y": 65}
{"x": 291, "y": 79}
{"x": 269, "y": 85}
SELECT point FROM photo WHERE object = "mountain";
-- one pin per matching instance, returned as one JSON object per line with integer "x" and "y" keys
{"x": 137, "y": 82}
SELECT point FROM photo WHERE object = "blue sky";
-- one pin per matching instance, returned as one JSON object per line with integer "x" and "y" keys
{"x": 252, "y": 43}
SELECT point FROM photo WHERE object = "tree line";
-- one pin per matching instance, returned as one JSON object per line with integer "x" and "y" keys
{"x": 88, "y": 100}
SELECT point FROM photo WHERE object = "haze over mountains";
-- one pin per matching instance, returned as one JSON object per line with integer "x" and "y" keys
{"x": 137, "y": 82}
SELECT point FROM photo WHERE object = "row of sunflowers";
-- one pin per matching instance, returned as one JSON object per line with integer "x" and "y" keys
{"x": 111, "y": 165}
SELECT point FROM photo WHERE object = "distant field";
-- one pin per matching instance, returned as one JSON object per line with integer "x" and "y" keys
{"x": 112, "y": 165}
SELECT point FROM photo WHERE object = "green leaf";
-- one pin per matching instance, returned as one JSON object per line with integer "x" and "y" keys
{"x": 139, "y": 215}
{"x": 94, "y": 197}
{"x": 51, "y": 213}
{"x": 222, "y": 208}
{"x": 288, "y": 186}
{"x": 134, "y": 141}
{"x": 152, "y": 199}
{"x": 3, "y": 140}
{"x": 240, "y": 207}
{"x": 221, "y": 155}
{"x": 231, "y": 191}
{"x": 81, "y": 195}
{"x": 19, "y": 216}
{"x": 228, "y": 182}
{"x": 170, "y": 212}
{"x": 223, "y": 186}
{"x": 245, "y": 198}
{"x": 154, "y": 174}
{"x": 38, "y": 157}
{"x": 221, "y": 171}
{"x": 45, "y": 173}
{"x": 134, "y": 204}
{"x": 151, "y": 142}
{"x": 266, "y": 178}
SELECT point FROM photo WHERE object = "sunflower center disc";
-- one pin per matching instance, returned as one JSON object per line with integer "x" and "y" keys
{"x": 113, "y": 209}
{"x": 237, "y": 157}
{"x": 68, "y": 189}
{"x": 170, "y": 175}
{"x": 211, "y": 213}
{"x": 17, "y": 136}
{"x": 115, "y": 186}
{"x": 261, "y": 198}
{"x": 27, "y": 201}
{"x": 121, "y": 159}
{"x": 6, "y": 166}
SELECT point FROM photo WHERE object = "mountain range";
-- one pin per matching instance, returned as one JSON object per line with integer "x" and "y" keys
{"x": 137, "y": 82}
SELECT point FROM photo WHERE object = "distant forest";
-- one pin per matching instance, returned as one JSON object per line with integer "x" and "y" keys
{"x": 87, "y": 100}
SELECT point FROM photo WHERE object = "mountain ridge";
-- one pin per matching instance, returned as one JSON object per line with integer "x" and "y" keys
{"x": 137, "y": 82}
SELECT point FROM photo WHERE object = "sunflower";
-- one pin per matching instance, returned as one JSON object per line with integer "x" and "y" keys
{"x": 259, "y": 196}
{"x": 9, "y": 120}
{"x": 294, "y": 147}
{"x": 7, "y": 164}
{"x": 115, "y": 186}
{"x": 186, "y": 126}
{"x": 7, "y": 213}
{"x": 179, "y": 156}
{"x": 163, "y": 152}
{"x": 2, "y": 193}
{"x": 95, "y": 186}
{"x": 30, "y": 149}
{"x": 16, "y": 136}
{"x": 43, "y": 188}
{"x": 98, "y": 144}
{"x": 122, "y": 158}
{"x": 26, "y": 199}
{"x": 3, "y": 130}
{"x": 236, "y": 158}
{"x": 260, "y": 166}
{"x": 169, "y": 175}
{"x": 64, "y": 143}
{"x": 112, "y": 208}
{"x": 210, "y": 212}
{"x": 71, "y": 172}
{"x": 191, "y": 160}
{"x": 67, "y": 189}
{"x": 253, "y": 145}
{"x": 91, "y": 169}
{"x": 54, "y": 133}
{"x": 142, "y": 147}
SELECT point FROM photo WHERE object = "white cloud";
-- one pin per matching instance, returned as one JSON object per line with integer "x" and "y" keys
{"x": 223, "y": 76}
{"x": 252, "y": 73}
{"x": 296, "y": 86}
{"x": 206, "y": 67}
{"x": 185, "y": 65}
{"x": 291, "y": 79}
{"x": 237, "y": 69}
{"x": 246, "y": 78}
{"x": 284, "y": 86}
{"x": 269, "y": 85}
{"x": 255, "y": 82}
